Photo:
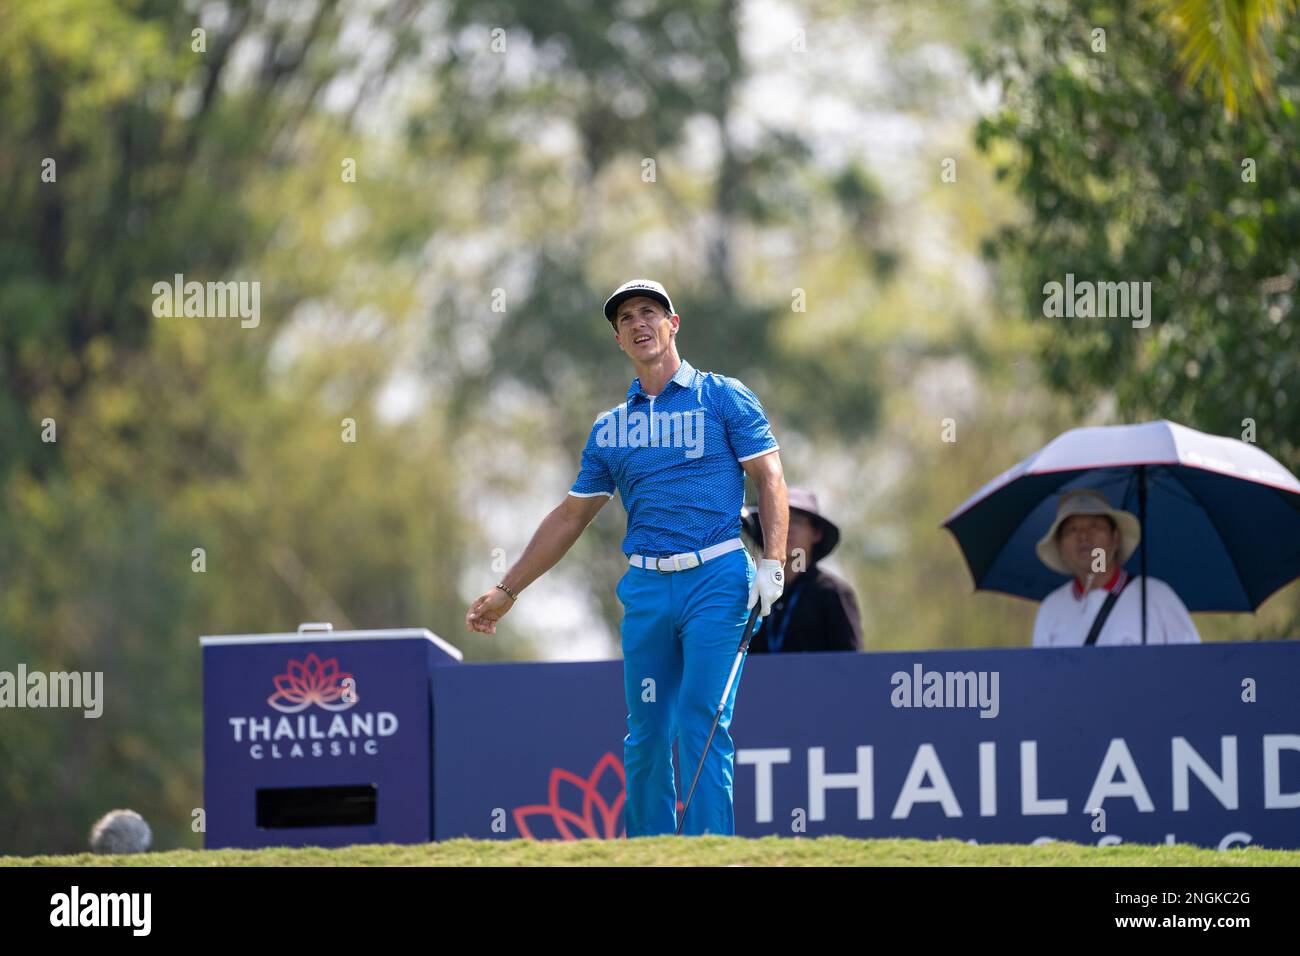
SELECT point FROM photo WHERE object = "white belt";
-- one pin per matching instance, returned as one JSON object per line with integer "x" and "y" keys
{"x": 687, "y": 559}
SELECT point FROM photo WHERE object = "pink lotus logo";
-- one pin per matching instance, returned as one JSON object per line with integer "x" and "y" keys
{"x": 313, "y": 681}
{"x": 599, "y": 816}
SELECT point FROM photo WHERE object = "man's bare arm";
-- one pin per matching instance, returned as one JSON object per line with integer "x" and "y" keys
{"x": 768, "y": 477}
{"x": 553, "y": 539}
{"x": 550, "y": 542}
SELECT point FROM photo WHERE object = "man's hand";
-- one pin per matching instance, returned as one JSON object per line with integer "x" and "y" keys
{"x": 553, "y": 537}
{"x": 484, "y": 613}
{"x": 768, "y": 584}
{"x": 774, "y": 515}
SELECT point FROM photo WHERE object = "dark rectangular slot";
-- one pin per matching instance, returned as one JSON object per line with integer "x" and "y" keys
{"x": 282, "y": 808}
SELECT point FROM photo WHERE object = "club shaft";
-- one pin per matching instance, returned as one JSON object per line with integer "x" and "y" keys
{"x": 722, "y": 705}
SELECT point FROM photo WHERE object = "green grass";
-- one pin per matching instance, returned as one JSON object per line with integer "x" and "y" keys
{"x": 696, "y": 851}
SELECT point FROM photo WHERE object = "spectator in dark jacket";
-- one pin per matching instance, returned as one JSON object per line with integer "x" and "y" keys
{"x": 818, "y": 611}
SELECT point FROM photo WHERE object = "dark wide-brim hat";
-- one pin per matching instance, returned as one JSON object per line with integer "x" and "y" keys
{"x": 801, "y": 499}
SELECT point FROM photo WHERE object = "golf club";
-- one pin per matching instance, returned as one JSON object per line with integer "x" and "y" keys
{"x": 722, "y": 704}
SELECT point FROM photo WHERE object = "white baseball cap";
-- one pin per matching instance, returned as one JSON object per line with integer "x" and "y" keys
{"x": 634, "y": 288}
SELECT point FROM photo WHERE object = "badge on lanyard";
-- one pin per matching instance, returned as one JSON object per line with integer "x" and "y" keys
{"x": 776, "y": 638}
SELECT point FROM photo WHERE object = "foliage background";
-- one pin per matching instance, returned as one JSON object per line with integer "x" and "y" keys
{"x": 798, "y": 145}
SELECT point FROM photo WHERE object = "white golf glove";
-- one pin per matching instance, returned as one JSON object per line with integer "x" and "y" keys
{"x": 768, "y": 584}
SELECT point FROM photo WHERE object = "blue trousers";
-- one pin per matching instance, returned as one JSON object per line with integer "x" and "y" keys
{"x": 681, "y": 631}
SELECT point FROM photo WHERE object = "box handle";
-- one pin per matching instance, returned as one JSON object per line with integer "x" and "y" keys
{"x": 315, "y": 627}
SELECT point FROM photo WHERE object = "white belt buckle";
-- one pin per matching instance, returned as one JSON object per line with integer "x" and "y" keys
{"x": 680, "y": 562}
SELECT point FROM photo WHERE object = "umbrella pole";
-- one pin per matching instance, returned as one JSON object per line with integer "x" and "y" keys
{"x": 1142, "y": 517}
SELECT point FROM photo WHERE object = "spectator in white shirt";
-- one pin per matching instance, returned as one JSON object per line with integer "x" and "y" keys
{"x": 1091, "y": 541}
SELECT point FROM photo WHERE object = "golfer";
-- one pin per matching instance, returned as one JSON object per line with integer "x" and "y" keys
{"x": 677, "y": 451}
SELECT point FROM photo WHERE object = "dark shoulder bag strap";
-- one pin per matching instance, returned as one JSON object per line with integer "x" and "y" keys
{"x": 1104, "y": 612}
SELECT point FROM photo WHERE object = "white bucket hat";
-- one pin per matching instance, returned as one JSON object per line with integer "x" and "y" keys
{"x": 1085, "y": 501}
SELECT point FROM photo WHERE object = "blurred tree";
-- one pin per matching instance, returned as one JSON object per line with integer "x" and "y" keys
{"x": 1129, "y": 174}
{"x": 447, "y": 301}
{"x": 218, "y": 157}
{"x": 129, "y": 152}
{"x": 1227, "y": 46}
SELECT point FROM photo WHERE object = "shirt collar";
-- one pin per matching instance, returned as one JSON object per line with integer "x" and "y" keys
{"x": 1117, "y": 579}
{"x": 684, "y": 376}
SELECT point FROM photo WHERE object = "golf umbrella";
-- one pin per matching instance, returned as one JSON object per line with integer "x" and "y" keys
{"x": 1220, "y": 518}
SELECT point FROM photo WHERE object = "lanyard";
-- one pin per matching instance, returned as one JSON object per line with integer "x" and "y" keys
{"x": 776, "y": 637}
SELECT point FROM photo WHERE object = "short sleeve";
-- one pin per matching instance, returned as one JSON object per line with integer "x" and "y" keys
{"x": 594, "y": 477}
{"x": 1176, "y": 623}
{"x": 1041, "y": 626}
{"x": 746, "y": 422}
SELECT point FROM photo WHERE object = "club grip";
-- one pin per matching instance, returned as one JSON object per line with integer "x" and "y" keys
{"x": 751, "y": 625}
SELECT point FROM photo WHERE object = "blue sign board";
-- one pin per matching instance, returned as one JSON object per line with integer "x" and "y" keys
{"x": 385, "y": 736}
{"x": 319, "y": 739}
{"x": 1189, "y": 744}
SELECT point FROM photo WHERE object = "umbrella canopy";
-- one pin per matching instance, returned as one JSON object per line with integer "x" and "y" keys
{"x": 1221, "y": 518}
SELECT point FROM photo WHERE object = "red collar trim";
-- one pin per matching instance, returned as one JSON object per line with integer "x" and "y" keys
{"x": 1116, "y": 582}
